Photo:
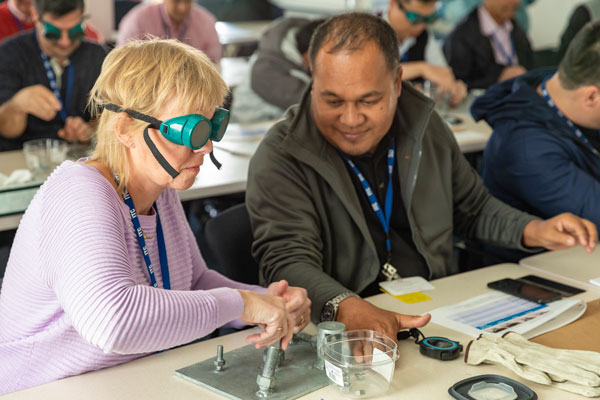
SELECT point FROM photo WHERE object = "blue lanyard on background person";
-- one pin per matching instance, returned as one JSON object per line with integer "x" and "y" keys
{"x": 162, "y": 250}
{"x": 570, "y": 123}
{"x": 52, "y": 81}
{"x": 510, "y": 58}
{"x": 405, "y": 56}
{"x": 384, "y": 218}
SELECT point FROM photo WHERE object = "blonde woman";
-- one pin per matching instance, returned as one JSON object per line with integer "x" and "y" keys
{"x": 104, "y": 268}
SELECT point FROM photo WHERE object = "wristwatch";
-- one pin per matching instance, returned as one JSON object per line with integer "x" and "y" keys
{"x": 330, "y": 309}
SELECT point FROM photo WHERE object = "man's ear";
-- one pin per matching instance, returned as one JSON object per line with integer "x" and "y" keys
{"x": 591, "y": 96}
{"x": 122, "y": 128}
{"x": 398, "y": 82}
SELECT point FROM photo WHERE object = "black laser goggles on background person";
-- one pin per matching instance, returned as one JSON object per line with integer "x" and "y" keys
{"x": 192, "y": 130}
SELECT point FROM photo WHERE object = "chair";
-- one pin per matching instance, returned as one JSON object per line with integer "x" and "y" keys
{"x": 228, "y": 241}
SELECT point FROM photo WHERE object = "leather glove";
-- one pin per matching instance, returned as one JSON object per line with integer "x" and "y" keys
{"x": 571, "y": 370}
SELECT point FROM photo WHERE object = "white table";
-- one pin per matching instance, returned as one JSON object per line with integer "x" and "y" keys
{"x": 416, "y": 377}
{"x": 572, "y": 266}
{"x": 240, "y": 32}
{"x": 234, "y": 152}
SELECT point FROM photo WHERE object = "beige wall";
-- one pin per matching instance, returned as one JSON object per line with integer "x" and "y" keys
{"x": 548, "y": 20}
{"x": 101, "y": 13}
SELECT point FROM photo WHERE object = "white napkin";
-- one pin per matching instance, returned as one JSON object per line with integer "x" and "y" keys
{"x": 16, "y": 177}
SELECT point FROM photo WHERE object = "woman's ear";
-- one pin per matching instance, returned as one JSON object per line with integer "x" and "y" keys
{"x": 123, "y": 129}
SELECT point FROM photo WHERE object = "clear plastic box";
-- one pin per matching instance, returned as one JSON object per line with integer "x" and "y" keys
{"x": 360, "y": 363}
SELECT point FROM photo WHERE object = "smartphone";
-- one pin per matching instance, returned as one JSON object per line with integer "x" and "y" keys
{"x": 525, "y": 290}
{"x": 561, "y": 288}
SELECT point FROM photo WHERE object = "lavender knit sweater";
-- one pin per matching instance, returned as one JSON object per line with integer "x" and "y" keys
{"x": 76, "y": 295}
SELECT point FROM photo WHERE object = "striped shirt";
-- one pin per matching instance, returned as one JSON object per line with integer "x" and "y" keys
{"x": 76, "y": 295}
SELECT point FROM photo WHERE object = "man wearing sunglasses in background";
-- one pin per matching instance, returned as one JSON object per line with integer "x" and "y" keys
{"x": 17, "y": 16}
{"x": 489, "y": 46}
{"x": 46, "y": 75}
{"x": 422, "y": 56}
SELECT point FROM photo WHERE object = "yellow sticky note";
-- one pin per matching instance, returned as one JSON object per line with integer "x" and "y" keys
{"x": 410, "y": 298}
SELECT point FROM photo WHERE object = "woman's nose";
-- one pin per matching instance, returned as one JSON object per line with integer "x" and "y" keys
{"x": 207, "y": 148}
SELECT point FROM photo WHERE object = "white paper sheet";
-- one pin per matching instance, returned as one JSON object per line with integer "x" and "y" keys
{"x": 498, "y": 313}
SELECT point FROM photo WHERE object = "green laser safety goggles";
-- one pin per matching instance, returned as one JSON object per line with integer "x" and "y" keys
{"x": 53, "y": 33}
{"x": 192, "y": 130}
{"x": 415, "y": 18}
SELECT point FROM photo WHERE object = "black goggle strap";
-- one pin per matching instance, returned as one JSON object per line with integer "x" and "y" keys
{"x": 214, "y": 160}
{"x": 155, "y": 123}
{"x": 159, "y": 157}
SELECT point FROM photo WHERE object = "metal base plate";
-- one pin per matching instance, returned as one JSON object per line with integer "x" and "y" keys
{"x": 296, "y": 376}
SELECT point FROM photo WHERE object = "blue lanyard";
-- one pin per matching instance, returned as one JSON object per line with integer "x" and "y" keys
{"x": 571, "y": 125}
{"x": 405, "y": 56}
{"x": 52, "y": 80}
{"x": 384, "y": 219}
{"x": 162, "y": 250}
{"x": 510, "y": 58}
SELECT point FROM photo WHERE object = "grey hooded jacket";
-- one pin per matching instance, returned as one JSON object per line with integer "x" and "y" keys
{"x": 309, "y": 227}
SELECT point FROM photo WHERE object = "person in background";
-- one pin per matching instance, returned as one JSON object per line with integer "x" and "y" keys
{"x": 421, "y": 55}
{"x": 453, "y": 11}
{"x": 363, "y": 182}
{"x": 583, "y": 13}
{"x": 104, "y": 268}
{"x": 44, "y": 87}
{"x": 279, "y": 71}
{"x": 17, "y": 16}
{"x": 489, "y": 46}
{"x": 544, "y": 153}
{"x": 177, "y": 19}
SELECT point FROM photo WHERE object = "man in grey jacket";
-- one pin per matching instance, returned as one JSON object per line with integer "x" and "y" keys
{"x": 359, "y": 184}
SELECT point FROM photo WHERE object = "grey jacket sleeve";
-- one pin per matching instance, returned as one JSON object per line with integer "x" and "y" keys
{"x": 287, "y": 230}
{"x": 479, "y": 215}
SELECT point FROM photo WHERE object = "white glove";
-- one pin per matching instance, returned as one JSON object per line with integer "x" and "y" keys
{"x": 571, "y": 370}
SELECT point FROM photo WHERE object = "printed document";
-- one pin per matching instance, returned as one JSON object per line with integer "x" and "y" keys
{"x": 498, "y": 313}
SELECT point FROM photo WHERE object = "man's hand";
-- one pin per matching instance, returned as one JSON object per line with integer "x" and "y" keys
{"x": 446, "y": 82}
{"x": 76, "y": 129}
{"x": 296, "y": 300}
{"x": 441, "y": 76}
{"x": 38, "y": 101}
{"x": 357, "y": 313}
{"x": 561, "y": 232}
{"x": 458, "y": 93}
{"x": 511, "y": 72}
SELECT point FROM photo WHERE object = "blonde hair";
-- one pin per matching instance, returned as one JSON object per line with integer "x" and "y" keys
{"x": 143, "y": 76}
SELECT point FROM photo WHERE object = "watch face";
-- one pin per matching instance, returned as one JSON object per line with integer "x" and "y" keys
{"x": 328, "y": 312}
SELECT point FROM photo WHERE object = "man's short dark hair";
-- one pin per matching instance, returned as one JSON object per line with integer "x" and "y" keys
{"x": 351, "y": 32}
{"x": 305, "y": 33}
{"x": 581, "y": 64}
{"x": 58, "y": 7}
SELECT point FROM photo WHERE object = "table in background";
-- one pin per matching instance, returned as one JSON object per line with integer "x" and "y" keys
{"x": 234, "y": 152}
{"x": 416, "y": 376}
{"x": 233, "y": 35}
{"x": 573, "y": 265}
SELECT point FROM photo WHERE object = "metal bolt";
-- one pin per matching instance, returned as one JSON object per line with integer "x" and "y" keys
{"x": 219, "y": 362}
{"x": 266, "y": 379}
